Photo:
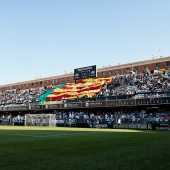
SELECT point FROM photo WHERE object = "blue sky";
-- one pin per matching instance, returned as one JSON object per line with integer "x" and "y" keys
{"x": 41, "y": 38}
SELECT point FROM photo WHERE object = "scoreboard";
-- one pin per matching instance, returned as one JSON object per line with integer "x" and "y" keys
{"x": 85, "y": 72}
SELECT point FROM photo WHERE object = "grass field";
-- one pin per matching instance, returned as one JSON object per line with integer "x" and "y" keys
{"x": 45, "y": 148}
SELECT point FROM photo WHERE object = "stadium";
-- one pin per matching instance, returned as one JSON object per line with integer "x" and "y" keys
{"x": 91, "y": 117}
{"x": 84, "y": 85}
{"x": 137, "y": 93}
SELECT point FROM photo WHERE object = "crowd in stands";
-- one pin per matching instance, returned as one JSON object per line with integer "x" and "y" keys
{"x": 22, "y": 97}
{"x": 107, "y": 117}
{"x": 112, "y": 117}
{"x": 157, "y": 82}
{"x": 132, "y": 115}
{"x": 133, "y": 83}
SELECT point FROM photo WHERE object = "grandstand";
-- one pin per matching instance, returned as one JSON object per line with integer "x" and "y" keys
{"x": 137, "y": 97}
{"x": 104, "y": 72}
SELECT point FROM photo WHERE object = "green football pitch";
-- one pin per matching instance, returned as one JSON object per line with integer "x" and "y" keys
{"x": 43, "y": 148}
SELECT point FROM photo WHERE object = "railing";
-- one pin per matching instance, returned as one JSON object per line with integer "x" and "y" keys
{"x": 124, "y": 96}
{"x": 142, "y": 95}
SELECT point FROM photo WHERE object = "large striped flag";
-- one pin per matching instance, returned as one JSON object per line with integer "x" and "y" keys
{"x": 86, "y": 87}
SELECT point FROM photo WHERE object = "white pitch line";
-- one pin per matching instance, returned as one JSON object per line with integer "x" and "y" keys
{"x": 45, "y": 135}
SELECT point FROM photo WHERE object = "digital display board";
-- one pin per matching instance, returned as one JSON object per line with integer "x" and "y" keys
{"x": 85, "y": 72}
